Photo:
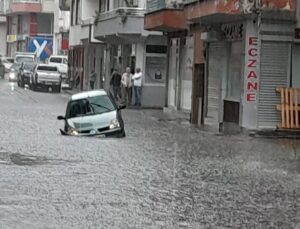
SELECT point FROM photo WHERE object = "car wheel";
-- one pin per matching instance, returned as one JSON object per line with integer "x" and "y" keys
{"x": 22, "y": 84}
{"x": 121, "y": 134}
{"x": 33, "y": 87}
{"x": 58, "y": 88}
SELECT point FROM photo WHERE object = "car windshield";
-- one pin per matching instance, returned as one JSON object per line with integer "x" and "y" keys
{"x": 55, "y": 60}
{"x": 29, "y": 66}
{"x": 15, "y": 67}
{"x": 90, "y": 106}
{"x": 20, "y": 59}
{"x": 8, "y": 60}
{"x": 47, "y": 68}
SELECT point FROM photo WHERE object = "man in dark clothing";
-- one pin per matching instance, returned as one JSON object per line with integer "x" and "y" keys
{"x": 115, "y": 82}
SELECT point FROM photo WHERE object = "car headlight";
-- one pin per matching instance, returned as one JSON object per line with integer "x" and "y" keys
{"x": 73, "y": 132}
{"x": 114, "y": 124}
{"x": 12, "y": 75}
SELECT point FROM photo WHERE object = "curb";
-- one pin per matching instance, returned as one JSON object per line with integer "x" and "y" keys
{"x": 276, "y": 134}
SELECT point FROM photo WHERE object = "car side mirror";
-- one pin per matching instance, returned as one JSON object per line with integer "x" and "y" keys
{"x": 121, "y": 107}
{"x": 60, "y": 117}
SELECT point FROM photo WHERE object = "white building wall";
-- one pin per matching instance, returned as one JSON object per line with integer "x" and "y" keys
{"x": 89, "y": 9}
{"x": 2, "y": 38}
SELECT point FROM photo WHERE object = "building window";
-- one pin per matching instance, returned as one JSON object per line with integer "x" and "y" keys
{"x": 127, "y": 3}
{"x": 72, "y": 12}
{"x": 77, "y": 12}
{"x": 102, "y": 4}
{"x": 162, "y": 49}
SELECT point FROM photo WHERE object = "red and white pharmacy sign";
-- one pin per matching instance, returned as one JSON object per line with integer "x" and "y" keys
{"x": 252, "y": 69}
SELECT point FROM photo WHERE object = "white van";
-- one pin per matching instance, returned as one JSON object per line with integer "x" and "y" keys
{"x": 61, "y": 62}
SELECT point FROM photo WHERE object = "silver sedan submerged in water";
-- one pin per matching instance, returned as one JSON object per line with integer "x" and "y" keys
{"x": 93, "y": 113}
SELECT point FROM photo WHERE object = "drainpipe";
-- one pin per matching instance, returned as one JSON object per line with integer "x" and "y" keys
{"x": 167, "y": 71}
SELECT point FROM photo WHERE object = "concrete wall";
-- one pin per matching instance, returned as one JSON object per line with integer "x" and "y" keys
{"x": 89, "y": 8}
{"x": 2, "y": 38}
{"x": 249, "y": 108}
{"x": 77, "y": 34}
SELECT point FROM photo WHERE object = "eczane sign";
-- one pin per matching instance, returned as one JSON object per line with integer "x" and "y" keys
{"x": 252, "y": 72}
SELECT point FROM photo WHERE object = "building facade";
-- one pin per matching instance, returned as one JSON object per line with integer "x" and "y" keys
{"x": 2, "y": 28}
{"x": 119, "y": 24}
{"x": 61, "y": 30}
{"x": 242, "y": 53}
{"x": 85, "y": 53}
{"x": 30, "y": 27}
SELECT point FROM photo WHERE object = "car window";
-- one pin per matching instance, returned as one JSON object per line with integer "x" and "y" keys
{"x": 20, "y": 59}
{"x": 7, "y": 60}
{"x": 55, "y": 60}
{"x": 16, "y": 67}
{"x": 47, "y": 68}
{"x": 29, "y": 66}
{"x": 90, "y": 106}
{"x": 65, "y": 61}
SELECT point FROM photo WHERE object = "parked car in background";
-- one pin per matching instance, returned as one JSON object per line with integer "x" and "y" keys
{"x": 25, "y": 74}
{"x": 62, "y": 64}
{"x": 14, "y": 72}
{"x": 7, "y": 62}
{"x": 46, "y": 76}
{"x": 93, "y": 113}
{"x": 24, "y": 57}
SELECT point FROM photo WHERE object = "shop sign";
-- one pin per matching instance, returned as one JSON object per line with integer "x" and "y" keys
{"x": 43, "y": 47}
{"x": 232, "y": 31}
{"x": 252, "y": 72}
{"x": 11, "y": 38}
{"x": 21, "y": 37}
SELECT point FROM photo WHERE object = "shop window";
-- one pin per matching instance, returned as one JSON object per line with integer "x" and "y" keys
{"x": 72, "y": 12}
{"x": 234, "y": 71}
{"x": 161, "y": 49}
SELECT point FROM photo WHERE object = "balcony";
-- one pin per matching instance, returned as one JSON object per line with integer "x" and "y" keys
{"x": 24, "y": 6}
{"x": 216, "y": 11}
{"x": 162, "y": 15}
{"x": 120, "y": 24}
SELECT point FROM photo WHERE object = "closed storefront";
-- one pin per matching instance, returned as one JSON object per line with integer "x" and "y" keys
{"x": 274, "y": 73}
{"x": 216, "y": 68}
{"x": 186, "y": 71}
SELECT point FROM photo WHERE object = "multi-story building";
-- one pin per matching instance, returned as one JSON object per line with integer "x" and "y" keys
{"x": 109, "y": 34}
{"x": 119, "y": 24}
{"x": 86, "y": 53}
{"x": 61, "y": 29}
{"x": 30, "y": 26}
{"x": 229, "y": 56}
{"x": 2, "y": 27}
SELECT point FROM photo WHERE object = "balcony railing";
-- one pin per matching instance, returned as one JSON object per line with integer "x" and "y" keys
{"x": 155, "y": 5}
{"x": 25, "y": 1}
{"x": 122, "y": 11}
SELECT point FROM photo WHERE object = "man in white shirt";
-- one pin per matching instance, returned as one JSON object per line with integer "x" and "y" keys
{"x": 126, "y": 82}
{"x": 137, "y": 86}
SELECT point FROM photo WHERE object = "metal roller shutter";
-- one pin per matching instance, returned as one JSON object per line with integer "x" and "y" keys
{"x": 215, "y": 68}
{"x": 274, "y": 70}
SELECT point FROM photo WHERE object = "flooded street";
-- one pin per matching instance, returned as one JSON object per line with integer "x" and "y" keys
{"x": 164, "y": 174}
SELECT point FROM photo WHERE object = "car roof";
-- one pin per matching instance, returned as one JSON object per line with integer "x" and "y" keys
{"x": 46, "y": 65}
{"x": 87, "y": 94}
{"x": 59, "y": 57}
